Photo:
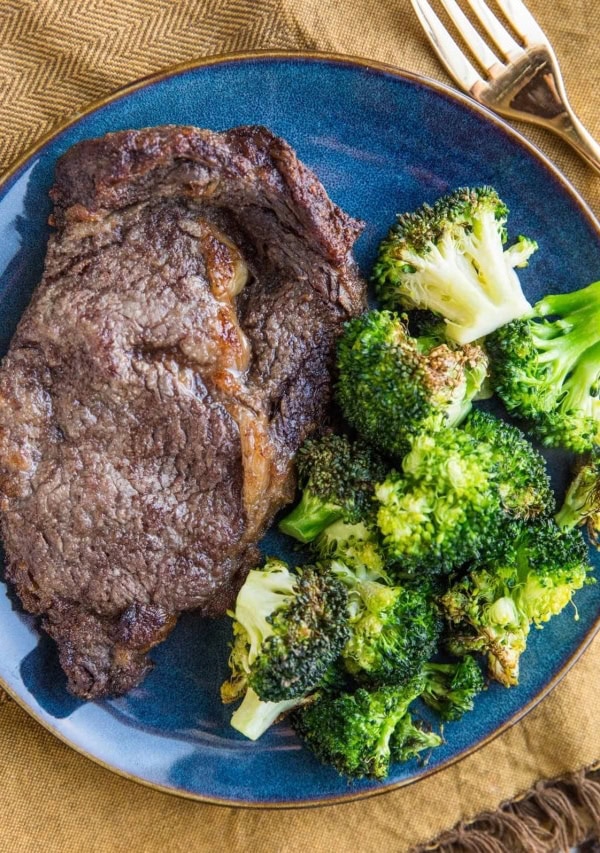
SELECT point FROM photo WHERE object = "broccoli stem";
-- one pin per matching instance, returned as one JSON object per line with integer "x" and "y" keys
{"x": 576, "y": 338}
{"x": 568, "y": 348}
{"x": 487, "y": 256}
{"x": 376, "y": 596}
{"x": 309, "y": 518}
{"x": 383, "y": 744}
{"x": 582, "y": 385}
{"x": 586, "y": 300}
{"x": 254, "y": 717}
{"x": 568, "y": 516}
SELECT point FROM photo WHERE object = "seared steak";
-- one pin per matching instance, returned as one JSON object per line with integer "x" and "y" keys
{"x": 171, "y": 361}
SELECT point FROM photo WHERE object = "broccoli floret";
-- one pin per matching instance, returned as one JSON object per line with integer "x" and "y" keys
{"x": 450, "y": 688}
{"x": 492, "y": 608}
{"x": 582, "y": 501}
{"x": 459, "y": 494}
{"x": 356, "y": 545}
{"x": 392, "y": 387}
{"x": 337, "y": 478}
{"x": 355, "y": 731}
{"x": 504, "y": 639}
{"x": 288, "y": 629}
{"x": 254, "y": 717}
{"x": 409, "y": 740}
{"x": 443, "y": 509}
{"x": 546, "y": 368}
{"x": 393, "y": 629}
{"x": 450, "y": 258}
{"x": 523, "y": 481}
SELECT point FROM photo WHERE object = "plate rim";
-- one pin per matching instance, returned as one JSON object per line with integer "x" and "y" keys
{"x": 448, "y": 91}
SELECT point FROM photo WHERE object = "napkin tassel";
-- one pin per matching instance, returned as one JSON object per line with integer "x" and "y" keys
{"x": 554, "y": 815}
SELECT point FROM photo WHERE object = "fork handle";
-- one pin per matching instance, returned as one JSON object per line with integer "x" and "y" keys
{"x": 573, "y": 131}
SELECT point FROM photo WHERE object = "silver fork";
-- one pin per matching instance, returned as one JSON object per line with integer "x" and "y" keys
{"x": 527, "y": 85}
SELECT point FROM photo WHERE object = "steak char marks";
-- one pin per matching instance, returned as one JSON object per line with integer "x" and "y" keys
{"x": 169, "y": 365}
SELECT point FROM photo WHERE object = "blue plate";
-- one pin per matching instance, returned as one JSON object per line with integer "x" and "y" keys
{"x": 381, "y": 141}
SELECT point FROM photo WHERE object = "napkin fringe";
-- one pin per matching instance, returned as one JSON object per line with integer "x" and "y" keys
{"x": 553, "y": 815}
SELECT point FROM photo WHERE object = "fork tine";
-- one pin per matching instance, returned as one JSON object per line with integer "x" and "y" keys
{"x": 523, "y": 22}
{"x": 450, "y": 55}
{"x": 501, "y": 37}
{"x": 484, "y": 56}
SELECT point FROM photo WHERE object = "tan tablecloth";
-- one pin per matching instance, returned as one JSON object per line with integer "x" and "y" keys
{"x": 55, "y": 57}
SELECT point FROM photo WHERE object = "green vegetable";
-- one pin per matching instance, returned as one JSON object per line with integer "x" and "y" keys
{"x": 492, "y": 608}
{"x": 254, "y": 717}
{"x": 409, "y": 740}
{"x": 288, "y": 629}
{"x": 450, "y": 258}
{"x": 459, "y": 492}
{"x": 546, "y": 368}
{"x": 392, "y": 387}
{"x": 451, "y": 688}
{"x": 393, "y": 629}
{"x": 356, "y": 545}
{"x": 525, "y": 490}
{"x": 461, "y": 530}
{"x": 356, "y": 732}
{"x": 582, "y": 501}
{"x": 443, "y": 509}
{"x": 336, "y": 477}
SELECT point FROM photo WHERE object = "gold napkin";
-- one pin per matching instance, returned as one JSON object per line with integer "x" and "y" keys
{"x": 55, "y": 57}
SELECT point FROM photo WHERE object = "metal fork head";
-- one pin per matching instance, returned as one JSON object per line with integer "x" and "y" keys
{"x": 524, "y": 82}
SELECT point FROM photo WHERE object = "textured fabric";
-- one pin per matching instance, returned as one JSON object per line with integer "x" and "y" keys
{"x": 55, "y": 57}
{"x": 553, "y": 815}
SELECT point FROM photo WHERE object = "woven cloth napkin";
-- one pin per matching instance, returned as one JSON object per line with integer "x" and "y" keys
{"x": 55, "y": 57}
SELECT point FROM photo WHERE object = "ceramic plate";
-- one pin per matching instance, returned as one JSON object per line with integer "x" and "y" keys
{"x": 381, "y": 141}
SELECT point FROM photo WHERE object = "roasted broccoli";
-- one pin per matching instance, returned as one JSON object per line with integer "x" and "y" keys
{"x": 288, "y": 629}
{"x": 450, "y": 258}
{"x": 459, "y": 493}
{"x": 357, "y": 545}
{"x": 393, "y": 629}
{"x": 336, "y": 477}
{"x": 546, "y": 368}
{"x": 450, "y": 688}
{"x": 491, "y": 609}
{"x": 355, "y": 731}
{"x": 253, "y": 717}
{"x": 443, "y": 509}
{"x": 523, "y": 481}
{"x": 392, "y": 387}
{"x": 582, "y": 501}
{"x": 409, "y": 740}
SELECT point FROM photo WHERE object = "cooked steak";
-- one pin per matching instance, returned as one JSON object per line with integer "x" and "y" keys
{"x": 171, "y": 361}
